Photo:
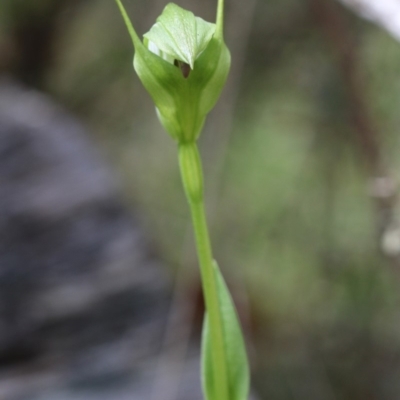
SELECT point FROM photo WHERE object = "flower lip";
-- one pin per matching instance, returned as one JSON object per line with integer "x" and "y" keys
{"x": 185, "y": 68}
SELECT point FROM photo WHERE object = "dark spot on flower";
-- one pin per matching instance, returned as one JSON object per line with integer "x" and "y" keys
{"x": 185, "y": 68}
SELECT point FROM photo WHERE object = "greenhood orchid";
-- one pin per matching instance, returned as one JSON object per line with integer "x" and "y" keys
{"x": 183, "y": 63}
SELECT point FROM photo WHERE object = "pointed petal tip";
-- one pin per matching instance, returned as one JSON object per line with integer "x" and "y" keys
{"x": 135, "y": 38}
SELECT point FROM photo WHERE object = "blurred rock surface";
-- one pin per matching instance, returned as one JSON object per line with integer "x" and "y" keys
{"x": 82, "y": 303}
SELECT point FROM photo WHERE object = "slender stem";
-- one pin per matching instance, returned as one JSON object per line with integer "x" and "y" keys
{"x": 211, "y": 298}
{"x": 207, "y": 269}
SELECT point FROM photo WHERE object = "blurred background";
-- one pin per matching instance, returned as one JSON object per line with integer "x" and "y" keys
{"x": 99, "y": 289}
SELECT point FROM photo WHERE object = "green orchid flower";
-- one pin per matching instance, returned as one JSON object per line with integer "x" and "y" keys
{"x": 183, "y": 63}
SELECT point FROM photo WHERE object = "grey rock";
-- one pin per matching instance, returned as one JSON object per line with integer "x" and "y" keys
{"x": 82, "y": 302}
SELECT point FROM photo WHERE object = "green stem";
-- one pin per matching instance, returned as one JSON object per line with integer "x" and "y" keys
{"x": 191, "y": 171}
{"x": 211, "y": 298}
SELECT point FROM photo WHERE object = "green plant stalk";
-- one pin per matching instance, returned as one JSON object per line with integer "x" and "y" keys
{"x": 192, "y": 178}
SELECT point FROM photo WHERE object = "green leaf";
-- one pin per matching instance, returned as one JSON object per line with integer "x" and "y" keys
{"x": 180, "y": 34}
{"x": 235, "y": 352}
